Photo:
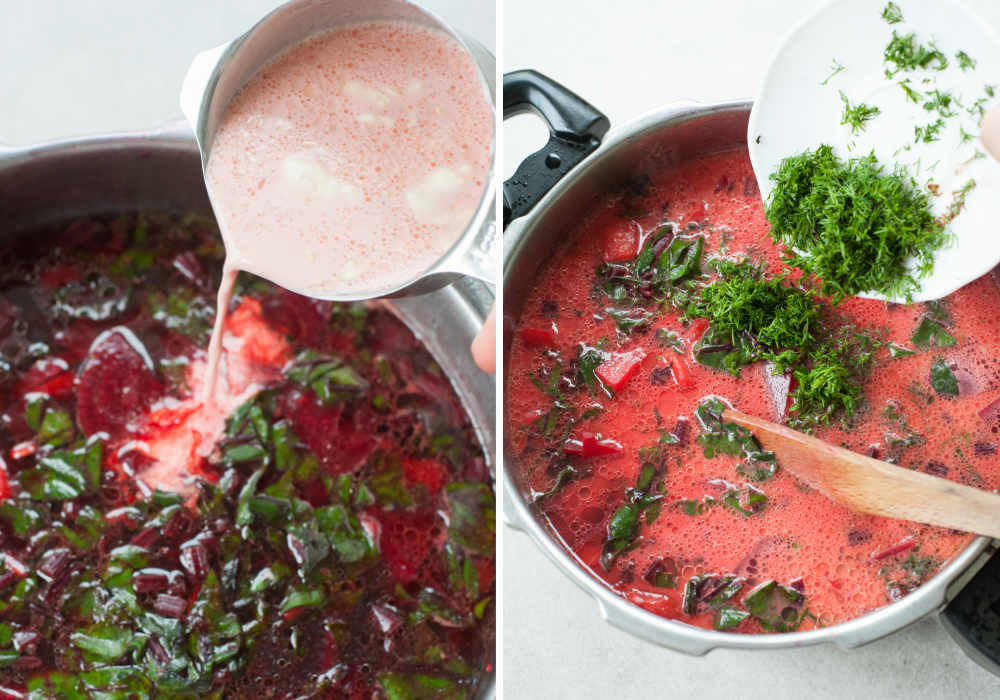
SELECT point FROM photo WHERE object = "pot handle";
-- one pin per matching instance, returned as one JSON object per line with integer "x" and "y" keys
{"x": 575, "y": 131}
{"x": 972, "y": 618}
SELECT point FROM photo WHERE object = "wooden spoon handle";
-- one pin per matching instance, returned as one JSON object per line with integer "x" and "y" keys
{"x": 872, "y": 486}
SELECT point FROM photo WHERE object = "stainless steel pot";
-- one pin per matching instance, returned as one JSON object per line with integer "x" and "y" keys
{"x": 661, "y": 139}
{"x": 161, "y": 170}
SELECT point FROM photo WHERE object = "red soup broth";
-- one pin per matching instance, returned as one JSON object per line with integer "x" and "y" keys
{"x": 323, "y": 530}
{"x": 845, "y": 563}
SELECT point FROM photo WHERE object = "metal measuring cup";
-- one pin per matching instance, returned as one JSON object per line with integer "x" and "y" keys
{"x": 217, "y": 75}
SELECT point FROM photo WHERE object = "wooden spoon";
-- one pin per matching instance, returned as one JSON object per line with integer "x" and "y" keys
{"x": 873, "y": 486}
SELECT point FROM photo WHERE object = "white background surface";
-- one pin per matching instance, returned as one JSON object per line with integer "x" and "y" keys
{"x": 628, "y": 57}
{"x": 70, "y": 67}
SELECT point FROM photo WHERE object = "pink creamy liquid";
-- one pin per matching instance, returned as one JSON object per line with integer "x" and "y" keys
{"x": 350, "y": 163}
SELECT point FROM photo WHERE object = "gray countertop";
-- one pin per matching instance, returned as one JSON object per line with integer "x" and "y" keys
{"x": 628, "y": 58}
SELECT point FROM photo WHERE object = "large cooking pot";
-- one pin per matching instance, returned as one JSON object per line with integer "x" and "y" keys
{"x": 161, "y": 170}
{"x": 542, "y": 203}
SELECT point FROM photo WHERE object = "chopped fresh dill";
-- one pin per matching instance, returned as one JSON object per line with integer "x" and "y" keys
{"x": 990, "y": 90}
{"x": 943, "y": 102}
{"x": 978, "y": 155}
{"x": 928, "y": 133}
{"x": 836, "y": 67}
{"x": 965, "y": 61}
{"x": 892, "y": 14}
{"x": 905, "y": 53}
{"x": 754, "y": 317}
{"x": 958, "y": 201}
{"x": 778, "y": 315}
{"x": 978, "y": 108}
{"x": 855, "y": 225}
{"x": 966, "y": 136}
{"x": 856, "y": 116}
{"x": 832, "y": 383}
{"x": 911, "y": 94}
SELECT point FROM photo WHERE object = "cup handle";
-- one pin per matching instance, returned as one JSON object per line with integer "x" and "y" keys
{"x": 575, "y": 130}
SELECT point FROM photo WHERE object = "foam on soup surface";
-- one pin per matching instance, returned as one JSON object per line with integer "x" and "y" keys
{"x": 709, "y": 541}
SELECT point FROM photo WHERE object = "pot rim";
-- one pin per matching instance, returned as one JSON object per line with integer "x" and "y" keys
{"x": 177, "y": 136}
{"x": 618, "y": 611}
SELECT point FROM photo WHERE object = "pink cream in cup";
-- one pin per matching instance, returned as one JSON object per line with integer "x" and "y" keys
{"x": 348, "y": 150}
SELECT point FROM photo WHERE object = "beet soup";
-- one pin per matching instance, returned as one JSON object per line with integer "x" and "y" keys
{"x": 613, "y": 390}
{"x": 325, "y": 529}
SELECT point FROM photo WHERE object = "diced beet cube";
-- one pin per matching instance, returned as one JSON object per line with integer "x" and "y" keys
{"x": 116, "y": 384}
{"x": 682, "y": 375}
{"x": 539, "y": 335}
{"x": 149, "y": 581}
{"x": 194, "y": 559}
{"x": 591, "y": 445}
{"x": 620, "y": 367}
{"x": 170, "y": 605}
{"x": 991, "y": 414}
{"x": 54, "y": 562}
{"x": 404, "y": 540}
{"x": 146, "y": 538}
{"x": 620, "y": 238}
{"x": 429, "y": 472}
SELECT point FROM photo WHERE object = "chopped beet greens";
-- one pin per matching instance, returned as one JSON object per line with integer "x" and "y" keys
{"x": 644, "y": 498}
{"x": 720, "y": 437}
{"x": 942, "y": 378}
{"x": 337, "y": 540}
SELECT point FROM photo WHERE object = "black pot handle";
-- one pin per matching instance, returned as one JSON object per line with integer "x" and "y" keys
{"x": 972, "y": 618}
{"x": 575, "y": 131}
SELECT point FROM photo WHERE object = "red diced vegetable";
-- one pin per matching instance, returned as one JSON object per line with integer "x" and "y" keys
{"x": 14, "y": 565}
{"x": 903, "y": 545}
{"x": 428, "y": 472}
{"x": 697, "y": 328}
{"x": 682, "y": 375}
{"x": 58, "y": 275}
{"x": 170, "y": 605}
{"x": 991, "y": 414}
{"x": 151, "y": 581}
{"x": 4, "y": 483}
{"x": 620, "y": 367}
{"x": 22, "y": 450}
{"x": 535, "y": 335}
{"x": 591, "y": 445}
{"x": 59, "y": 386}
{"x": 621, "y": 240}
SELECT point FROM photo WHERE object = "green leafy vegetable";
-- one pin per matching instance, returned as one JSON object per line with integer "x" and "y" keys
{"x": 943, "y": 379}
{"x": 472, "y": 522}
{"x": 623, "y": 527}
{"x": 721, "y": 437}
{"x": 777, "y": 608}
